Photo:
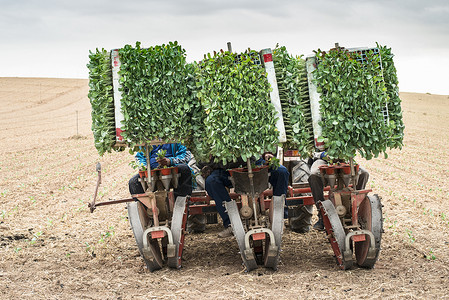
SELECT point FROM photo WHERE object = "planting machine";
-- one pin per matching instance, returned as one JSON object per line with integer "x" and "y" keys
{"x": 352, "y": 218}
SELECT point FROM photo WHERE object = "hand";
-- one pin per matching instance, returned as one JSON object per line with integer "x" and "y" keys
{"x": 164, "y": 161}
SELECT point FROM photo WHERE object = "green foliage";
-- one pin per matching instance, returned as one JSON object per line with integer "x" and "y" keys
{"x": 353, "y": 97}
{"x": 238, "y": 117}
{"x": 291, "y": 77}
{"x": 394, "y": 102}
{"x": 156, "y": 99}
{"x": 161, "y": 154}
{"x": 101, "y": 100}
{"x": 274, "y": 163}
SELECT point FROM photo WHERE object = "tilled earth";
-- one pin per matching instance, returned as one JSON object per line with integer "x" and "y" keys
{"x": 52, "y": 247}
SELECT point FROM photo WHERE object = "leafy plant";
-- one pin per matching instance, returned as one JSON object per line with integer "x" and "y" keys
{"x": 156, "y": 100}
{"x": 238, "y": 117}
{"x": 101, "y": 100}
{"x": 353, "y": 101}
{"x": 274, "y": 163}
{"x": 136, "y": 165}
{"x": 161, "y": 154}
{"x": 291, "y": 77}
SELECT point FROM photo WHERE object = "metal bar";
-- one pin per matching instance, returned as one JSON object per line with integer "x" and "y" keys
{"x": 147, "y": 156}
{"x": 252, "y": 195}
{"x": 92, "y": 204}
{"x": 114, "y": 202}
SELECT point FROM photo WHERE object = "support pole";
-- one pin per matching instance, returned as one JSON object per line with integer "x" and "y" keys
{"x": 252, "y": 192}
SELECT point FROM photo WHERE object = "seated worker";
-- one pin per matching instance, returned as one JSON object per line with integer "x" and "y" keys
{"x": 176, "y": 155}
{"x": 218, "y": 181}
{"x": 317, "y": 186}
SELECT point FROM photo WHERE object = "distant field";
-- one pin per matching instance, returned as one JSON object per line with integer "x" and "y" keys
{"x": 52, "y": 247}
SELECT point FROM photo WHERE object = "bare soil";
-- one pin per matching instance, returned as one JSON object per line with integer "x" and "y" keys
{"x": 52, "y": 247}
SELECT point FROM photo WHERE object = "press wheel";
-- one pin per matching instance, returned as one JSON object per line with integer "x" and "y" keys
{"x": 335, "y": 234}
{"x": 239, "y": 233}
{"x": 139, "y": 220}
{"x": 277, "y": 227}
{"x": 370, "y": 218}
{"x": 178, "y": 226}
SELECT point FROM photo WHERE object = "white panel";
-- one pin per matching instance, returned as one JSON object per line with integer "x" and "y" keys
{"x": 274, "y": 94}
{"x": 314, "y": 100}
{"x": 115, "y": 60}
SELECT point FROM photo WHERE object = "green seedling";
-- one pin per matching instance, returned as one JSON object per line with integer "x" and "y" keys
{"x": 137, "y": 165}
{"x": 161, "y": 154}
{"x": 35, "y": 237}
{"x": 410, "y": 235}
{"x": 107, "y": 234}
{"x": 431, "y": 256}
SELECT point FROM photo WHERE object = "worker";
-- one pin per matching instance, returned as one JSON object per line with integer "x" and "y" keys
{"x": 176, "y": 155}
{"x": 317, "y": 186}
{"x": 218, "y": 180}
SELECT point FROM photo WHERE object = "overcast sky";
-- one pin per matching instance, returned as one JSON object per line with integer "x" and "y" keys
{"x": 52, "y": 38}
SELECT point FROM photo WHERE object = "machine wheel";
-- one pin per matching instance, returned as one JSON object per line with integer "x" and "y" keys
{"x": 300, "y": 172}
{"x": 335, "y": 234}
{"x": 178, "y": 226}
{"x": 370, "y": 218}
{"x": 277, "y": 227}
{"x": 139, "y": 220}
{"x": 196, "y": 223}
{"x": 301, "y": 220}
{"x": 239, "y": 233}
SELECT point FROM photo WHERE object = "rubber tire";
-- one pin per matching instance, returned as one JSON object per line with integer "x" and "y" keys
{"x": 196, "y": 223}
{"x": 303, "y": 221}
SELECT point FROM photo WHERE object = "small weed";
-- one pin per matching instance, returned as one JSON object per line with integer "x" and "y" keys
{"x": 3, "y": 214}
{"x": 49, "y": 222}
{"x": 443, "y": 216}
{"x": 17, "y": 249}
{"x": 3, "y": 194}
{"x": 32, "y": 199}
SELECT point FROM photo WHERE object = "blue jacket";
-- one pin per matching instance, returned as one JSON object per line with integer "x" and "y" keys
{"x": 177, "y": 153}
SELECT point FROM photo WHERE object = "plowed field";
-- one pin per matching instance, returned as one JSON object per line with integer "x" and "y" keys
{"x": 52, "y": 247}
